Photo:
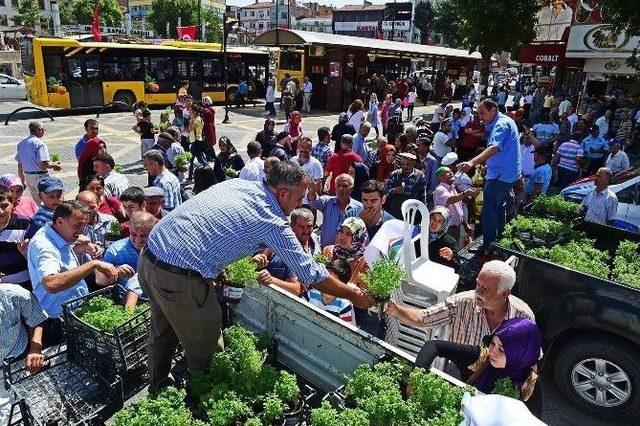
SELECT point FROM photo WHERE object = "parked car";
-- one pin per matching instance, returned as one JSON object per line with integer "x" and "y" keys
{"x": 626, "y": 186}
{"x": 12, "y": 88}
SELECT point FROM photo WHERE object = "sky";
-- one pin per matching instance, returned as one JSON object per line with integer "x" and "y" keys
{"x": 335, "y": 3}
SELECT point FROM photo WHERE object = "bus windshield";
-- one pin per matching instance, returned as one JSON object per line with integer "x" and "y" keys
{"x": 26, "y": 55}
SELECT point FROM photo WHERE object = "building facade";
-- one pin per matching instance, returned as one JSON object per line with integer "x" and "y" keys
{"x": 393, "y": 21}
{"x": 318, "y": 25}
{"x": 255, "y": 18}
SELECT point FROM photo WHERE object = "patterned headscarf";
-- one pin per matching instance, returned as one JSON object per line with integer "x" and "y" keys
{"x": 358, "y": 243}
{"x": 444, "y": 212}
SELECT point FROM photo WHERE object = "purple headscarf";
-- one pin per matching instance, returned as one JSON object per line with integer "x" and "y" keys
{"x": 521, "y": 340}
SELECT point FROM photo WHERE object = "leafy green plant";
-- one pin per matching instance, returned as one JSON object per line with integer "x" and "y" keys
{"x": 554, "y": 206}
{"x": 243, "y": 272}
{"x": 272, "y": 409}
{"x": 446, "y": 417}
{"x": 383, "y": 278}
{"x": 118, "y": 168}
{"x": 227, "y": 410}
{"x": 242, "y": 350}
{"x": 387, "y": 407}
{"x": 325, "y": 415}
{"x": 365, "y": 381}
{"x": 231, "y": 172}
{"x": 432, "y": 393}
{"x": 103, "y": 314}
{"x": 578, "y": 255}
{"x": 626, "y": 264}
{"x": 286, "y": 387}
{"x": 182, "y": 160}
{"x": 167, "y": 409}
{"x": 253, "y": 421}
{"x": 506, "y": 387}
{"x": 321, "y": 258}
{"x": 353, "y": 417}
{"x": 115, "y": 228}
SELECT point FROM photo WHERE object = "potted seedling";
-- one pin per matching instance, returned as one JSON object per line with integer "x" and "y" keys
{"x": 228, "y": 410}
{"x": 321, "y": 258}
{"x": 55, "y": 157}
{"x": 505, "y": 387}
{"x": 325, "y": 415}
{"x": 231, "y": 173}
{"x": 182, "y": 164}
{"x": 273, "y": 411}
{"x": 114, "y": 234}
{"x": 240, "y": 274}
{"x": 381, "y": 280}
{"x": 287, "y": 389}
{"x": 117, "y": 168}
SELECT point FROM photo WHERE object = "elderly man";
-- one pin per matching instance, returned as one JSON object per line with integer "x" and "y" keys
{"x": 277, "y": 272}
{"x": 617, "y": 160}
{"x": 444, "y": 141}
{"x": 405, "y": 183}
{"x": 114, "y": 183}
{"x": 56, "y": 273}
{"x": 231, "y": 220}
{"x": 124, "y": 253}
{"x": 33, "y": 159}
{"x": 359, "y": 145}
{"x": 601, "y": 203}
{"x": 446, "y": 194}
{"x": 153, "y": 162}
{"x": 254, "y": 168}
{"x": 154, "y": 199}
{"x": 340, "y": 161}
{"x": 333, "y": 207}
{"x": 471, "y": 314}
{"x": 98, "y": 224}
{"x": 502, "y": 157}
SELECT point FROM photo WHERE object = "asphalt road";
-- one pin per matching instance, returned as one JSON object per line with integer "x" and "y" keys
{"x": 124, "y": 145}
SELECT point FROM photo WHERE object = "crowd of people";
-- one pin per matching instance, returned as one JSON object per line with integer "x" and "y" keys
{"x": 299, "y": 195}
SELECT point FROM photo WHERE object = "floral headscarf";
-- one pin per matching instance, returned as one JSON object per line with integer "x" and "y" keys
{"x": 358, "y": 243}
{"x": 444, "y": 212}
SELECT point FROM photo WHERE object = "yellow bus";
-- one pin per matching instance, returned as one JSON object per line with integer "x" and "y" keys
{"x": 290, "y": 61}
{"x": 67, "y": 73}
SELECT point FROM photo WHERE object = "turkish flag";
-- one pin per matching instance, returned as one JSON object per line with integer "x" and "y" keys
{"x": 95, "y": 24}
{"x": 187, "y": 33}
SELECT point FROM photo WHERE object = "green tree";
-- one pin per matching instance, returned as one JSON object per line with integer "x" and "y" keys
{"x": 110, "y": 13}
{"x": 66, "y": 13}
{"x": 163, "y": 11}
{"x": 488, "y": 26}
{"x": 424, "y": 20}
{"x": 624, "y": 17}
{"x": 28, "y": 13}
{"x": 213, "y": 23}
{"x": 446, "y": 22}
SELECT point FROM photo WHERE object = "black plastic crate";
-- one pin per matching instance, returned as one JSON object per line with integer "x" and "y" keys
{"x": 61, "y": 393}
{"x": 113, "y": 354}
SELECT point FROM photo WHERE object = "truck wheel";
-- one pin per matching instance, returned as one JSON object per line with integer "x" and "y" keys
{"x": 126, "y": 97}
{"x": 601, "y": 375}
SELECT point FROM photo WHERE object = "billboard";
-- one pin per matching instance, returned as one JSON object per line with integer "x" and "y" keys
{"x": 554, "y": 19}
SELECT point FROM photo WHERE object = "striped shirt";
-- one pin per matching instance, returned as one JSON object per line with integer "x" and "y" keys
{"x": 228, "y": 221}
{"x": 332, "y": 215}
{"x": 115, "y": 184}
{"x": 322, "y": 152}
{"x": 97, "y": 231}
{"x": 17, "y": 307}
{"x": 601, "y": 206}
{"x": 467, "y": 320}
{"x": 41, "y": 218}
{"x": 341, "y": 308}
{"x": 569, "y": 152}
{"x": 12, "y": 263}
{"x": 170, "y": 184}
{"x": 122, "y": 252}
{"x": 414, "y": 183}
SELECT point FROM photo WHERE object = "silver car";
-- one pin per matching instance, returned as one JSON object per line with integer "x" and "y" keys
{"x": 11, "y": 88}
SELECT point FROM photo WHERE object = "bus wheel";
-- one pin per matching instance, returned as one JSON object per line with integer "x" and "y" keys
{"x": 125, "y": 97}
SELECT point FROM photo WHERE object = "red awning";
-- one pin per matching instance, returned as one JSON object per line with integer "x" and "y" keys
{"x": 547, "y": 54}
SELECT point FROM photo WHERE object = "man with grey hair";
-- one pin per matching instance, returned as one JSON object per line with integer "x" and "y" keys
{"x": 33, "y": 159}
{"x": 359, "y": 145}
{"x": 471, "y": 314}
{"x": 153, "y": 163}
{"x": 194, "y": 244}
{"x": 333, "y": 207}
{"x": 601, "y": 204}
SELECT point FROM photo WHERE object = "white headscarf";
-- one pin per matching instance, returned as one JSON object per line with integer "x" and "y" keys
{"x": 466, "y": 117}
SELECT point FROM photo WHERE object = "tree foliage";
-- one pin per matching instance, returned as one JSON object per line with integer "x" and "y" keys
{"x": 28, "y": 13}
{"x": 488, "y": 26}
{"x": 624, "y": 17}
{"x": 110, "y": 13}
{"x": 163, "y": 11}
{"x": 424, "y": 20}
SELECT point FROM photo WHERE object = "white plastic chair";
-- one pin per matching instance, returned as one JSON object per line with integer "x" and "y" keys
{"x": 420, "y": 271}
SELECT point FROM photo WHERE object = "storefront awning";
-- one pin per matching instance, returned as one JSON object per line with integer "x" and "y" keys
{"x": 283, "y": 37}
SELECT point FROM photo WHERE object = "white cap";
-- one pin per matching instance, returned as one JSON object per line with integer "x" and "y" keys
{"x": 449, "y": 159}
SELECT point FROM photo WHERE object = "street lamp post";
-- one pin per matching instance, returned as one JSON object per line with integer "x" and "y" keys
{"x": 224, "y": 65}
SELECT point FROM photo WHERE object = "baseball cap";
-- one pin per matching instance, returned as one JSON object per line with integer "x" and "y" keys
{"x": 50, "y": 184}
{"x": 10, "y": 179}
{"x": 615, "y": 141}
{"x": 449, "y": 159}
{"x": 153, "y": 192}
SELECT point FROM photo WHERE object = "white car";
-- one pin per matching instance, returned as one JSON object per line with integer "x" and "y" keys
{"x": 12, "y": 88}
{"x": 626, "y": 186}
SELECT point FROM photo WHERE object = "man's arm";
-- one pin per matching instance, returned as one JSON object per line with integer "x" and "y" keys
{"x": 481, "y": 158}
{"x": 56, "y": 283}
{"x": 334, "y": 287}
{"x": 34, "y": 355}
{"x": 21, "y": 173}
{"x": 49, "y": 165}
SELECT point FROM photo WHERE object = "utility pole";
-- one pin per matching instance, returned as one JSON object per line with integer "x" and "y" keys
{"x": 277, "y": 22}
{"x": 200, "y": 20}
{"x": 393, "y": 21}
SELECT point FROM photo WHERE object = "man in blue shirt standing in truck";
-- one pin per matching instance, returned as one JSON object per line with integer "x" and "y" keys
{"x": 502, "y": 157}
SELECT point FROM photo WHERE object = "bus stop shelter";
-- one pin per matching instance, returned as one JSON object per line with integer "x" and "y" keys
{"x": 338, "y": 65}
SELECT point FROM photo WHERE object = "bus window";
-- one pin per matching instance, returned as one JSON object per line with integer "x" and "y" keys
{"x": 92, "y": 65}
{"x": 26, "y": 56}
{"x": 118, "y": 68}
{"x": 74, "y": 68}
{"x": 161, "y": 69}
{"x": 53, "y": 66}
{"x": 212, "y": 73}
{"x": 291, "y": 61}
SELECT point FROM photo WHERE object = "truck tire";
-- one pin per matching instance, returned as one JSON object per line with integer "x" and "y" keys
{"x": 125, "y": 96}
{"x": 601, "y": 375}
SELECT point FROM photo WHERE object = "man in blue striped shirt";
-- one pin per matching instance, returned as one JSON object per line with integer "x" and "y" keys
{"x": 153, "y": 162}
{"x": 192, "y": 245}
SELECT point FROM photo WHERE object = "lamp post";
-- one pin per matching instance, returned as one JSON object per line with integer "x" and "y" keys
{"x": 224, "y": 66}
